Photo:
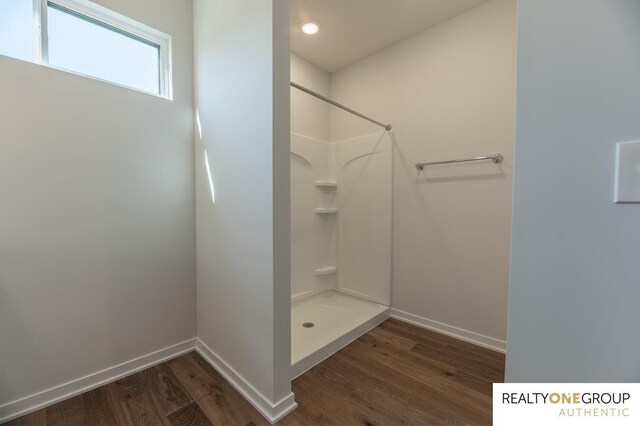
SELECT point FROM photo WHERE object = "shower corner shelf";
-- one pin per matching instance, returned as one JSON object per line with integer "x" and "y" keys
{"x": 326, "y": 211}
{"x": 326, "y": 184}
{"x": 327, "y": 270}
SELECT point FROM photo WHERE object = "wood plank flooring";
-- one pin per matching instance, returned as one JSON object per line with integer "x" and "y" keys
{"x": 396, "y": 374}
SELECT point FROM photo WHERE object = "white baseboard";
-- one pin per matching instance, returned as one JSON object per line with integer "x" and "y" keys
{"x": 37, "y": 401}
{"x": 458, "y": 333}
{"x": 271, "y": 411}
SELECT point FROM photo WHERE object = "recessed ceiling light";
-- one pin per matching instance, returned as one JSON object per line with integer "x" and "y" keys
{"x": 310, "y": 27}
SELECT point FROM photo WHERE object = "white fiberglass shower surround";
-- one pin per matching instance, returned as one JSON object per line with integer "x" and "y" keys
{"x": 341, "y": 194}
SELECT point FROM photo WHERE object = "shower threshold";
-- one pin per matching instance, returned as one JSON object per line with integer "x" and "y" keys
{"x": 323, "y": 324}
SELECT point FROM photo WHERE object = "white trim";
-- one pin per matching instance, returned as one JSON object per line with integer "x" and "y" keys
{"x": 40, "y": 42}
{"x": 109, "y": 17}
{"x": 449, "y": 330}
{"x": 271, "y": 411}
{"x": 31, "y": 403}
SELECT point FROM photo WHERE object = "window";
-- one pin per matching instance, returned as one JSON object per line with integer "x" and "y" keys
{"x": 16, "y": 29}
{"x": 87, "y": 39}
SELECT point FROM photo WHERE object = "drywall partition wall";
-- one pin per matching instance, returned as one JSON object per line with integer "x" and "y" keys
{"x": 243, "y": 273}
{"x": 573, "y": 302}
{"x": 364, "y": 216}
{"x": 449, "y": 93}
{"x": 97, "y": 241}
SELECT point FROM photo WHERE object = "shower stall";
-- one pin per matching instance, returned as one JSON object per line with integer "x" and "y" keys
{"x": 341, "y": 193}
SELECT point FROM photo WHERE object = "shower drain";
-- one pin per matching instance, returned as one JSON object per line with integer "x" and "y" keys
{"x": 308, "y": 324}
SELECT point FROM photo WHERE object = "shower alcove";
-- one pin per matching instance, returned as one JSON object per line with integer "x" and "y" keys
{"x": 341, "y": 239}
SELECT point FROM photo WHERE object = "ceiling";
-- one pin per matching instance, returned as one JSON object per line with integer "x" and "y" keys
{"x": 354, "y": 29}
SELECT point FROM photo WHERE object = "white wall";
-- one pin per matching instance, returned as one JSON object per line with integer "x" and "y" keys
{"x": 309, "y": 115}
{"x": 573, "y": 303}
{"x": 242, "y": 94}
{"x": 449, "y": 93}
{"x": 97, "y": 242}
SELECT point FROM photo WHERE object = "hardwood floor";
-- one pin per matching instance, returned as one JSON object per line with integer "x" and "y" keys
{"x": 396, "y": 374}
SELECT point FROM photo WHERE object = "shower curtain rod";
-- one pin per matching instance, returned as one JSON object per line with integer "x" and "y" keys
{"x": 334, "y": 103}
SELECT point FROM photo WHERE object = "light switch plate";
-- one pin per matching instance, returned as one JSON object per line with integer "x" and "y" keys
{"x": 627, "y": 188}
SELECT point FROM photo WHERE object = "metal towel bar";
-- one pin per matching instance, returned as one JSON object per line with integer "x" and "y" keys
{"x": 496, "y": 158}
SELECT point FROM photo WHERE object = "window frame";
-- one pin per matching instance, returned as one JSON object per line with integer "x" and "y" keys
{"x": 109, "y": 19}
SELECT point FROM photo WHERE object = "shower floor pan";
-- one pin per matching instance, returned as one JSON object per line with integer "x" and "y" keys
{"x": 323, "y": 324}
